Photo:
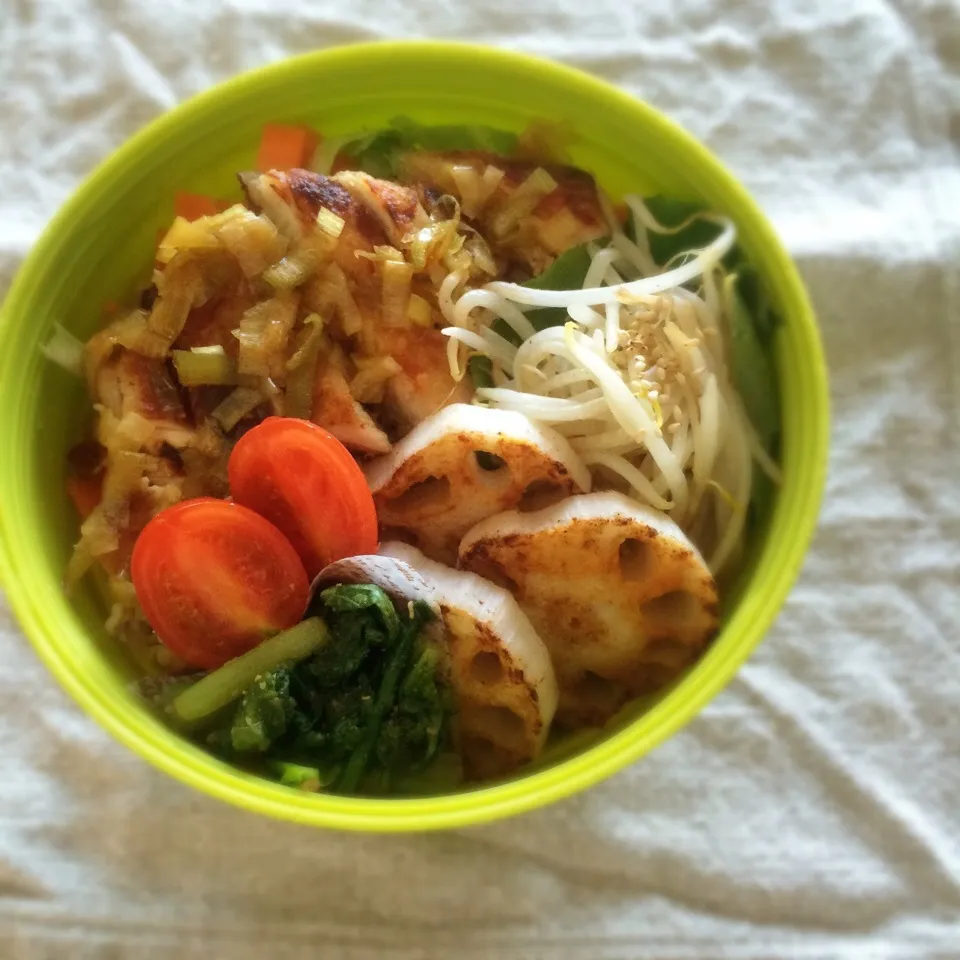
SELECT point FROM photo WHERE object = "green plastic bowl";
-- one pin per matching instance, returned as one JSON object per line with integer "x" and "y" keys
{"x": 100, "y": 246}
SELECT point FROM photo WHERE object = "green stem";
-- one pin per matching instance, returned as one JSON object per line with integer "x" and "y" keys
{"x": 386, "y": 696}
{"x": 299, "y": 776}
{"x": 226, "y": 683}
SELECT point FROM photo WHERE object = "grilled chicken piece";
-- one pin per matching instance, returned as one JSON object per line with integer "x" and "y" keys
{"x": 622, "y": 598}
{"x": 374, "y": 213}
{"x": 463, "y": 465}
{"x": 394, "y": 207}
{"x": 569, "y": 215}
{"x": 335, "y": 410}
{"x": 141, "y": 427}
{"x": 499, "y": 669}
{"x": 424, "y": 384}
{"x": 143, "y": 401}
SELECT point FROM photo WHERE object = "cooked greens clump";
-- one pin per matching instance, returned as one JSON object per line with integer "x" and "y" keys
{"x": 368, "y": 707}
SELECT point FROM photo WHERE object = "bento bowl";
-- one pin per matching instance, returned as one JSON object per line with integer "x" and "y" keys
{"x": 99, "y": 248}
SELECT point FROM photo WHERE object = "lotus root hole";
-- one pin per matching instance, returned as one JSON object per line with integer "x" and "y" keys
{"x": 539, "y": 495}
{"x": 430, "y": 492}
{"x": 677, "y": 606}
{"x": 597, "y": 690}
{"x": 636, "y": 559}
{"x": 500, "y": 725}
{"x": 666, "y": 653}
{"x": 489, "y": 461}
{"x": 493, "y": 571}
{"x": 486, "y": 667}
{"x": 482, "y": 758}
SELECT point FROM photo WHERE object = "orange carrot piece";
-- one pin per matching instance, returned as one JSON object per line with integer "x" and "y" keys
{"x": 283, "y": 147}
{"x": 85, "y": 492}
{"x": 192, "y": 206}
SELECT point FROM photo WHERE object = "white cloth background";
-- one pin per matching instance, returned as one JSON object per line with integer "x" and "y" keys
{"x": 813, "y": 810}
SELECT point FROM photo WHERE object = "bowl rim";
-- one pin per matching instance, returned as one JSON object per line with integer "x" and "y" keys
{"x": 189, "y": 763}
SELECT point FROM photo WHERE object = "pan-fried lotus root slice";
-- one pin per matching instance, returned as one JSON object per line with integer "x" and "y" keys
{"x": 500, "y": 670}
{"x": 464, "y": 464}
{"x": 620, "y": 596}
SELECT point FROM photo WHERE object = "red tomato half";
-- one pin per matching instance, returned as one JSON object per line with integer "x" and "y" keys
{"x": 306, "y": 483}
{"x": 214, "y": 579}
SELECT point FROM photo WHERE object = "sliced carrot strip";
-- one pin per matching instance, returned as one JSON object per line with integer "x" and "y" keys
{"x": 283, "y": 147}
{"x": 192, "y": 206}
{"x": 85, "y": 492}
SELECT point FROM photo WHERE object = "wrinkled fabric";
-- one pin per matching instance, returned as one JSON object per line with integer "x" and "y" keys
{"x": 811, "y": 810}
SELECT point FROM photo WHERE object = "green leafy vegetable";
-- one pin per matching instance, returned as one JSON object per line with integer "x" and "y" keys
{"x": 379, "y": 153}
{"x": 300, "y": 776}
{"x": 361, "y": 617}
{"x": 761, "y": 499}
{"x": 755, "y": 299}
{"x": 386, "y": 696}
{"x": 410, "y": 735}
{"x": 751, "y": 368}
{"x": 264, "y": 713}
{"x": 352, "y": 712}
{"x": 672, "y": 213}
{"x": 567, "y": 272}
{"x": 351, "y": 597}
{"x": 480, "y": 368}
{"x": 224, "y": 685}
{"x": 441, "y": 775}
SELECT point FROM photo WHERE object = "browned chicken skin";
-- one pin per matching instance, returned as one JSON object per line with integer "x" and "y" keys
{"x": 568, "y": 215}
{"x": 375, "y": 214}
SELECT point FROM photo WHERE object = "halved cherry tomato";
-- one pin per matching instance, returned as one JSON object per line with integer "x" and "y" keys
{"x": 306, "y": 483}
{"x": 214, "y": 579}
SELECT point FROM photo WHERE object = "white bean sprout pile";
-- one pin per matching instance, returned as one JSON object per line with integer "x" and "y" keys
{"x": 636, "y": 379}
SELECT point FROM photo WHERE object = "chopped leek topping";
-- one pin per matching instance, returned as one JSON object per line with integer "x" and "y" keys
{"x": 419, "y": 311}
{"x": 205, "y": 366}
{"x": 397, "y": 278}
{"x": 65, "y": 350}
{"x": 186, "y": 235}
{"x": 371, "y": 377}
{"x": 522, "y": 202}
{"x": 382, "y": 253}
{"x": 289, "y": 272}
{"x": 302, "y": 368}
{"x": 329, "y": 223}
{"x": 233, "y": 408}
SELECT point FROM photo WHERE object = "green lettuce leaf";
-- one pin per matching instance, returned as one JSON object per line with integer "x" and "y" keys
{"x": 567, "y": 272}
{"x": 671, "y": 213}
{"x": 752, "y": 369}
{"x": 378, "y": 153}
